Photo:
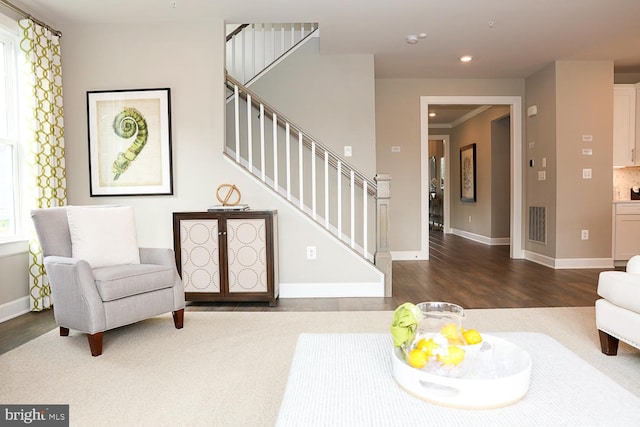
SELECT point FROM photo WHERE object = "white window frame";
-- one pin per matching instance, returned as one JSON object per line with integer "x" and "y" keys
{"x": 9, "y": 36}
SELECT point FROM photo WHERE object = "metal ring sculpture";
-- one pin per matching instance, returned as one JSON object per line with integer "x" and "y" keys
{"x": 232, "y": 189}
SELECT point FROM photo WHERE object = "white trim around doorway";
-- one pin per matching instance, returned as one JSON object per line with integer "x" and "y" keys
{"x": 515, "y": 104}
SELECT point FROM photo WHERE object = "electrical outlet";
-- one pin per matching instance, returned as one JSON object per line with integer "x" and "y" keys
{"x": 584, "y": 234}
{"x": 311, "y": 252}
{"x": 348, "y": 151}
{"x": 469, "y": 218}
{"x": 586, "y": 173}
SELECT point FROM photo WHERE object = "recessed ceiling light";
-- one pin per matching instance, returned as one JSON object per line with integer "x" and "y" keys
{"x": 466, "y": 58}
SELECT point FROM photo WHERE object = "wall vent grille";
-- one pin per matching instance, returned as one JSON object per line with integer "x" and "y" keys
{"x": 538, "y": 224}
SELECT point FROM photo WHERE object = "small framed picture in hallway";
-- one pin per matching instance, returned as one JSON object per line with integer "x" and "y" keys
{"x": 468, "y": 173}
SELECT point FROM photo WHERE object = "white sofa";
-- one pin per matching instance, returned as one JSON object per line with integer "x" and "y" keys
{"x": 618, "y": 311}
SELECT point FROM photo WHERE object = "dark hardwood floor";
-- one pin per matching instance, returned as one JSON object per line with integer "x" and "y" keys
{"x": 461, "y": 271}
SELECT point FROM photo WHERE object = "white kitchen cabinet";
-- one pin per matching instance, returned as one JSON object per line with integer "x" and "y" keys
{"x": 624, "y": 126}
{"x": 626, "y": 236}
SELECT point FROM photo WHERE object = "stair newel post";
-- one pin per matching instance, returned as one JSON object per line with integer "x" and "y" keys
{"x": 382, "y": 256}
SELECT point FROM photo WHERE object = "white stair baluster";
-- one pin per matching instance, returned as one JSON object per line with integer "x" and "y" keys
{"x": 288, "y": 154}
{"x": 236, "y": 111}
{"x": 262, "y": 160}
{"x": 353, "y": 209}
{"x": 313, "y": 179}
{"x": 339, "y": 197}
{"x": 300, "y": 171}
{"x": 243, "y": 56}
{"x": 249, "y": 134}
{"x": 275, "y": 152}
{"x": 326, "y": 189}
{"x": 364, "y": 217}
{"x": 253, "y": 51}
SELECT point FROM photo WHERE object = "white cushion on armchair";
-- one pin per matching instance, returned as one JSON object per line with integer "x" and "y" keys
{"x": 621, "y": 289}
{"x": 103, "y": 235}
{"x": 618, "y": 312}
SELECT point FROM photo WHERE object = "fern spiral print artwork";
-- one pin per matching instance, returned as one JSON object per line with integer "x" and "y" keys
{"x": 126, "y": 124}
{"x": 130, "y": 142}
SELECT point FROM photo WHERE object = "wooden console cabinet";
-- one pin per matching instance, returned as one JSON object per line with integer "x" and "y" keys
{"x": 227, "y": 255}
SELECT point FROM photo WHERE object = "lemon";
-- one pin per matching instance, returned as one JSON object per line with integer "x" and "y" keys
{"x": 471, "y": 336}
{"x": 450, "y": 331}
{"x": 417, "y": 358}
{"x": 454, "y": 356}
{"x": 427, "y": 345}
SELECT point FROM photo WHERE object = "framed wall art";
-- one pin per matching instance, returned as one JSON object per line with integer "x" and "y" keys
{"x": 468, "y": 173}
{"x": 130, "y": 142}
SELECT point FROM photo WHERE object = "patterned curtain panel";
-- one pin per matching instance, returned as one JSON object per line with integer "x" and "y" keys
{"x": 43, "y": 134}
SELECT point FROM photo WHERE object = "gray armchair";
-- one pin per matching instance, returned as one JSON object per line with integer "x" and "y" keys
{"x": 94, "y": 300}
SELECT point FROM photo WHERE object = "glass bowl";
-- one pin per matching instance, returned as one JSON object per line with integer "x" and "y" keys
{"x": 436, "y": 315}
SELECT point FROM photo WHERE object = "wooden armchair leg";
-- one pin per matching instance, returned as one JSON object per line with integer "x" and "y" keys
{"x": 608, "y": 344}
{"x": 178, "y": 318}
{"x": 64, "y": 332}
{"x": 95, "y": 343}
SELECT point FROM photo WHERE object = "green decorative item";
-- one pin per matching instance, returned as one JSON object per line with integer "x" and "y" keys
{"x": 128, "y": 123}
{"x": 404, "y": 324}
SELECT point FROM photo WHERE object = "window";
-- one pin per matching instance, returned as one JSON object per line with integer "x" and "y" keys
{"x": 9, "y": 150}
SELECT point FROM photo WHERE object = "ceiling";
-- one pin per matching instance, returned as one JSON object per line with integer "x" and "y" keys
{"x": 507, "y": 38}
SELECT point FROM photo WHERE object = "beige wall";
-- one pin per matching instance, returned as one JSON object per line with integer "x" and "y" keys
{"x": 188, "y": 58}
{"x": 398, "y": 124}
{"x": 315, "y": 90}
{"x": 14, "y": 280}
{"x": 574, "y": 98}
{"x": 477, "y": 130}
{"x": 500, "y": 178}
{"x": 539, "y": 143}
{"x": 584, "y": 105}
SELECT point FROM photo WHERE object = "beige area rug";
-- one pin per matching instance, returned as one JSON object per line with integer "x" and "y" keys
{"x": 231, "y": 368}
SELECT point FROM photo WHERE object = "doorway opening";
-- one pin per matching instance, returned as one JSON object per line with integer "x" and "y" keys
{"x": 515, "y": 175}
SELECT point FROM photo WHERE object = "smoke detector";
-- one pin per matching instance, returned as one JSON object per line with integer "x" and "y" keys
{"x": 413, "y": 38}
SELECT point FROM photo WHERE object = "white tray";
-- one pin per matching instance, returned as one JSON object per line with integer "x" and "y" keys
{"x": 498, "y": 377}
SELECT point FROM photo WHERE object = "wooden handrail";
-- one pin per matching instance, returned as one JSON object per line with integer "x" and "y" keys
{"x": 237, "y": 31}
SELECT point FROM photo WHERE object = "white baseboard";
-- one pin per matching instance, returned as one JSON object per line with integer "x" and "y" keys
{"x": 584, "y": 263}
{"x": 491, "y": 241}
{"x": 408, "y": 256}
{"x": 14, "y": 308}
{"x": 568, "y": 263}
{"x": 331, "y": 290}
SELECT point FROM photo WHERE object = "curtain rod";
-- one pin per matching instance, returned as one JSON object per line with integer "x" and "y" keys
{"x": 28, "y": 16}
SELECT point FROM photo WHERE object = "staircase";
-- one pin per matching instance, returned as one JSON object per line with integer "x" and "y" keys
{"x": 253, "y": 49}
{"x": 295, "y": 165}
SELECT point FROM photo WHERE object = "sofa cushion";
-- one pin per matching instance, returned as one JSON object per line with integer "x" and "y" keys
{"x": 121, "y": 281}
{"x": 621, "y": 289}
{"x": 103, "y": 235}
